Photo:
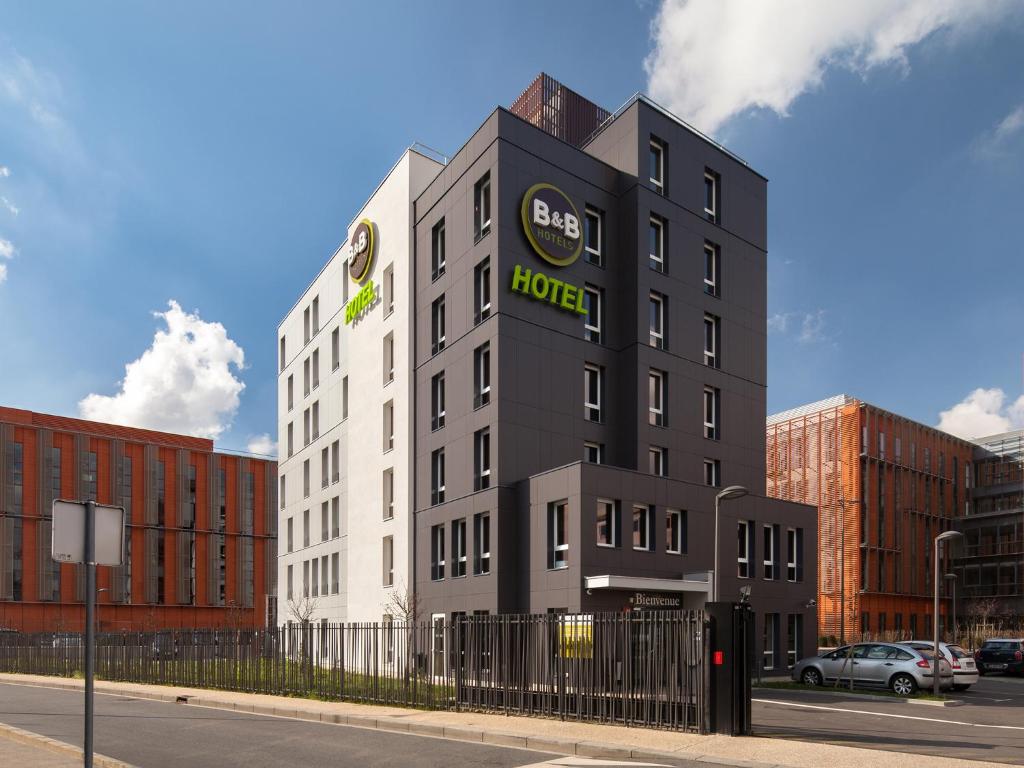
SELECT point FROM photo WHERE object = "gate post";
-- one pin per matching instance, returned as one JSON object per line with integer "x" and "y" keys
{"x": 732, "y": 650}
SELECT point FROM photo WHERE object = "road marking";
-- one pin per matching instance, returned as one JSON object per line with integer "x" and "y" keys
{"x": 887, "y": 714}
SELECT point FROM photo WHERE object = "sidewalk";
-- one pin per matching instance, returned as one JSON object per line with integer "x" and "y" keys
{"x": 565, "y": 737}
{"x": 24, "y": 749}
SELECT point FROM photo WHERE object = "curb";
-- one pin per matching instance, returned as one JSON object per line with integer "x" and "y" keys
{"x": 45, "y": 742}
{"x": 867, "y": 697}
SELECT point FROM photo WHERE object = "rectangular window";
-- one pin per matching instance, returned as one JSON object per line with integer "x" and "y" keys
{"x": 437, "y": 552}
{"x": 305, "y": 326}
{"x": 482, "y": 207}
{"x": 656, "y": 165}
{"x": 291, "y": 391}
{"x": 388, "y": 561}
{"x": 336, "y": 517}
{"x": 657, "y": 321}
{"x": 795, "y": 554}
{"x": 458, "y": 548}
{"x": 335, "y": 461}
{"x": 656, "y": 240}
{"x": 482, "y": 375}
{"x": 305, "y": 427}
{"x": 771, "y": 629}
{"x": 593, "y": 452}
{"x": 316, "y": 315}
{"x": 658, "y": 461}
{"x": 770, "y": 551}
{"x": 325, "y": 464}
{"x": 283, "y": 361}
{"x": 316, "y": 419}
{"x": 305, "y": 479}
{"x": 344, "y": 398}
{"x": 305, "y": 378}
{"x": 675, "y": 532}
{"x": 325, "y": 521}
{"x": 437, "y": 333}
{"x": 305, "y": 578}
{"x": 593, "y": 376}
{"x": 607, "y": 523}
{"x": 335, "y": 349}
{"x": 482, "y": 459}
{"x": 656, "y": 398}
{"x": 291, "y": 438}
{"x": 712, "y": 472}
{"x": 316, "y": 368}
{"x": 481, "y": 543}
{"x": 712, "y": 268}
{"x": 389, "y": 493}
{"x": 389, "y": 289}
{"x": 712, "y": 331}
{"x": 437, "y": 476}
{"x": 712, "y": 195}
{"x": 291, "y": 534}
{"x": 744, "y": 549}
{"x": 642, "y": 533}
{"x": 389, "y": 358}
{"x": 437, "y": 409}
{"x": 389, "y": 425}
{"x": 281, "y": 493}
{"x": 711, "y": 413}
{"x": 794, "y": 639}
{"x": 558, "y": 534}
{"x": 324, "y": 585}
{"x": 291, "y": 585}
{"x": 482, "y": 291}
{"x": 335, "y": 573}
{"x": 437, "y": 250}
{"x": 305, "y": 528}
{"x": 592, "y": 236}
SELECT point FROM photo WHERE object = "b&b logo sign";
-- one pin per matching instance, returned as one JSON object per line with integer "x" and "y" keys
{"x": 361, "y": 251}
{"x": 552, "y": 224}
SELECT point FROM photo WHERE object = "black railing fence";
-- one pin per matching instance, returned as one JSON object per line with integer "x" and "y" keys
{"x": 643, "y": 669}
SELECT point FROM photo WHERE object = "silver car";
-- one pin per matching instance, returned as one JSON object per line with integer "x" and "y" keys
{"x": 900, "y": 668}
{"x": 965, "y": 671}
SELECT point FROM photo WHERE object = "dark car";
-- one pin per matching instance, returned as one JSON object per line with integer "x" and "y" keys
{"x": 1001, "y": 655}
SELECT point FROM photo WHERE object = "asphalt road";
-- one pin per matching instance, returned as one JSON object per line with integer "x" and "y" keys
{"x": 989, "y": 726}
{"x": 154, "y": 734}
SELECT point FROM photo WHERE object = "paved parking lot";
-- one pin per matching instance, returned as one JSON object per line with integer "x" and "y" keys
{"x": 989, "y": 725}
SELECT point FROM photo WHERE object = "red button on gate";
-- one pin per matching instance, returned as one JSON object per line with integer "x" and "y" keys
{"x": 718, "y": 659}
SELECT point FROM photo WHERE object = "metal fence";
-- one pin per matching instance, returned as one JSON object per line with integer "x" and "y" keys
{"x": 644, "y": 669}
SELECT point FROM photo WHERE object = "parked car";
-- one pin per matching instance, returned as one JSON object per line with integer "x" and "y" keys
{"x": 67, "y": 640}
{"x": 1001, "y": 655}
{"x": 901, "y": 668}
{"x": 965, "y": 671}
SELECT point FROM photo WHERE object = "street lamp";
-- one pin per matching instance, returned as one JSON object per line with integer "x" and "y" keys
{"x": 948, "y": 535}
{"x": 732, "y": 492}
{"x": 951, "y": 578}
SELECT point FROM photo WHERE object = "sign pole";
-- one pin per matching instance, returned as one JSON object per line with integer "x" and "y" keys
{"x": 90, "y": 623}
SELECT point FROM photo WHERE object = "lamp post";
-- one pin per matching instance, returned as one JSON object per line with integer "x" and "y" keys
{"x": 732, "y": 492}
{"x": 951, "y": 578}
{"x": 946, "y": 536}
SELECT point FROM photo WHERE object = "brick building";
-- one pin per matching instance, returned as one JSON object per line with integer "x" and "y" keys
{"x": 200, "y": 545}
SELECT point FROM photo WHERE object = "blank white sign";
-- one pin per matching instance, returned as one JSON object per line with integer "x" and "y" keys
{"x": 68, "y": 545}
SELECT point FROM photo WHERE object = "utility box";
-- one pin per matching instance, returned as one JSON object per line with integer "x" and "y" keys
{"x": 731, "y": 665}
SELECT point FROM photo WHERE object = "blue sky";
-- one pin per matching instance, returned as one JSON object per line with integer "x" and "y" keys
{"x": 212, "y": 155}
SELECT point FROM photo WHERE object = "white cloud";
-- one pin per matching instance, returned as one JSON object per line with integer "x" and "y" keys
{"x": 983, "y": 412}
{"x": 11, "y": 207}
{"x": 185, "y": 382}
{"x": 6, "y": 249}
{"x": 262, "y": 444}
{"x": 714, "y": 59}
{"x": 779, "y": 322}
{"x": 3, "y": 272}
{"x": 1000, "y": 139}
{"x": 809, "y": 327}
{"x": 5, "y": 171}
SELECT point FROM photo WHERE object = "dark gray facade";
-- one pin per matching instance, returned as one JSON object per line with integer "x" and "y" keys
{"x": 536, "y": 416}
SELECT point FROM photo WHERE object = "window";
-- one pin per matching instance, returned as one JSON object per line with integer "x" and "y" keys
{"x": 642, "y": 538}
{"x": 283, "y": 362}
{"x": 437, "y": 476}
{"x": 656, "y": 398}
{"x": 305, "y": 479}
{"x": 305, "y": 326}
{"x": 335, "y": 349}
{"x": 291, "y": 532}
{"x": 482, "y": 291}
{"x": 388, "y": 561}
{"x": 607, "y": 523}
{"x": 325, "y": 462}
{"x": 389, "y": 493}
{"x": 481, "y": 543}
{"x": 291, "y": 392}
{"x": 675, "y": 532}
{"x": 281, "y": 494}
{"x": 389, "y": 358}
{"x": 658, "y": 460}
{"x": 744, "y": 548}
{"x": 794, "y": 638}
{"x": 770, "y": 551}
{"x": 305, "y": 377}
{"x": 437, "y": 552}
{"x": 712, "y": 195}
{"x": 305, "y": 578}
{"x": 482, "y": 459}
{"x": 712, "y": 329}
{"x": 335, "y": 517}
{"x": 389, "y": 425}
{"x": 316, "y": 420}
{"x": 316, "y": 315}
{"x": 437, "y": 250}
{"x": 325, "y": 521}
{"x": 656, "y": 163}
{"x": 593, "y": 222}
{"x": 336, "y": 461}
{"x": 795, "y": 554}
{"x": 344, "y": 398}
{"x": 592, "y": 386}
{"x": 437, "y": 326}
{"x": 305, "y": 427}
{"x": 657, "y": 321}
{"x": 305, "y": 528}
{"x": 711, "y": 397}
{"x": 482, "y": 375}
{"x": 712, "y": 255}
{"x": 593, "y": 452}
{"x": 291, "y": 438}
{"x": 558, "y": 534}
{"x": 592, "y": 317}
{"x": 437, "y": 411}
{"x": 771, "y": 628}
{"x": 656, "y": 239}
{"x": 335, "y": 573}
{"x": 458, "y": 548}
{"x": 482, "y": 207}
{"x": 389, "y": 289}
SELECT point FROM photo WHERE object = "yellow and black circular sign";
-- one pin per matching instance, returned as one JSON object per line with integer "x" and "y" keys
{"x": 552, "y": 224}
{"x": 361, "y": 251}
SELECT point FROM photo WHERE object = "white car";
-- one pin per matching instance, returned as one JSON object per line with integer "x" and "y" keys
{"x": 965, "y": 670}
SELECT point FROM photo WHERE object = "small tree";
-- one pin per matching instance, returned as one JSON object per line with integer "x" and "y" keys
{"x": 302, "y": 609}
{"x": 403, "y": 605}
{"x": 980, "y": 611}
